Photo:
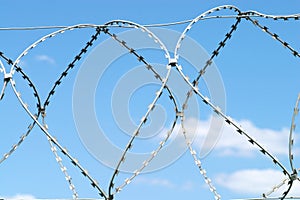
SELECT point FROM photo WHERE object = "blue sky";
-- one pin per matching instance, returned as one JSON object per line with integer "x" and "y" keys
{"x": 260, "y": 78}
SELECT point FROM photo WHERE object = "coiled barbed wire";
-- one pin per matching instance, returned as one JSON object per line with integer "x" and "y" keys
{"x": 172, "y": 63}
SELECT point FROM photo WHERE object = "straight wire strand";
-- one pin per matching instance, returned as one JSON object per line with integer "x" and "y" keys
{"x": 250, "y": 13}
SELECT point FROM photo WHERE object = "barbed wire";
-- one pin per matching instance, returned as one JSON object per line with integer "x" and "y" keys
{"x": 172, "y": 63}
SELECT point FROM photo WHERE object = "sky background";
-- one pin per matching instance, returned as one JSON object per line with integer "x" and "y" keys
{"x": 260, "y": 79}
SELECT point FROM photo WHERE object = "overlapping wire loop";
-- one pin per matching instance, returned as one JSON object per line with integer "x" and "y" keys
{"x": 39, "y": 116}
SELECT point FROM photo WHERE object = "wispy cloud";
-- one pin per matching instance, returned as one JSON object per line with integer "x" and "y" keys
{"x": 250, "y": 181}
{"x": 20, "y": 197}
{"x": 295, "y": 189}
{"x": 45, "y": 58}
{"x": 255, "y": 182}
{"x": 275, "y": 141}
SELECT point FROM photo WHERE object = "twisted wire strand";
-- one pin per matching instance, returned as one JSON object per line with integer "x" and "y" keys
{"x": 151, "y": 107}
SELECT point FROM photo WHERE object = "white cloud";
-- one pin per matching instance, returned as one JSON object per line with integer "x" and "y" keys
{"x": 295, "y": 189}
{"x": 256, "y": 182}
{"x": 250, "y": 181}
{"x": 276, "y": 141}
{"x": 45, "y": 58}
{"x": 231, "y": 143}
{"x": 20, "y": 197}
{"x": 225, "y": 141}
